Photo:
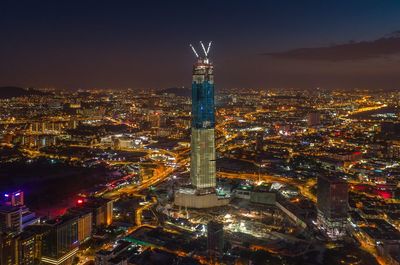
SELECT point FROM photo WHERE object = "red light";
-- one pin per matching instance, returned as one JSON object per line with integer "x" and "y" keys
{"x": 80, "y": 201}
{"x": 384, "y": 194}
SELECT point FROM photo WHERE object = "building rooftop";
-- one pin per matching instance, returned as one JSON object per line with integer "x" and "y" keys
{"x": 8, "y": 209}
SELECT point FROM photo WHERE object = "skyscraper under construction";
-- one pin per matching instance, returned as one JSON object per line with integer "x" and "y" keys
{"x": 202, "y": 167}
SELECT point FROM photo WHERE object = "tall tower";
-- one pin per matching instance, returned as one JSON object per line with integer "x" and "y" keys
{"x": 202, "y": 167}
{"x": 202, "y": 192}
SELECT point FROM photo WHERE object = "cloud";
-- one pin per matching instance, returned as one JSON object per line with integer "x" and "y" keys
{"x": 352, "y": 51}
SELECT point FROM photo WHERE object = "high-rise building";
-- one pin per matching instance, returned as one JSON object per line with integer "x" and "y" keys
{"x": 202, "y": 167}
{"x": 215, "y": 239}
{"x": 14, "y": 201}
{"x": 60, "y": 245}
{"x": 10, "y": 218}
{"x": 332, "y": 206}
{"x": 202, "y": 160}
{"x": 17, "y": 249}
{"x": 85, "y": 224}
{"x": 8, "y": 249}
{"x": 314, "y": 119}
{"x": 41, "y": 233}
{"x": 27, "y": 248}
{"x": 101, "y": 209}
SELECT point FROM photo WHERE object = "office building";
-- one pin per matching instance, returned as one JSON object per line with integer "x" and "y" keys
{"x": 332, "y": 206}
{"x": 27, "y": 248}
{"x": 8, "y": 249}
{"x": 60, "y": 245}
{"x": 101, "y": 209}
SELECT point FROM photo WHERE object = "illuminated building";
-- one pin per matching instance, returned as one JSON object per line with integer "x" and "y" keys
{"x": 104, "y": 257}
{"x": 17, "y": 249}
{"x": 101, "y": 209}
{"x": 27, "y": 248}
{"x": 332, "y": 206}
{"x": 14, "y": 198}
{"x": 202, "y": 160}
{"x": 84, "y": 226}
{"x": 60, "y": 245}
{"x": 8, "y": 249}
{"x": 202, "y": 167}
{"x": 85, "y": 222}
{"x": 40, "y": 233}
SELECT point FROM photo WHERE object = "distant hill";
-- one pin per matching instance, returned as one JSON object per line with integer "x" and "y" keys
{"x": 12, "y": 92}
{"x": 177, "y": 91}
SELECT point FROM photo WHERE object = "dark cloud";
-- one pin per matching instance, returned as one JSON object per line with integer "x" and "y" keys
{"x": 386, "y": 46}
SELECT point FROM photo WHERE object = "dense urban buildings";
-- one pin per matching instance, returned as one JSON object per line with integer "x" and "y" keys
{"x": 110, "y": 177}
{"x": 280, "y": 173}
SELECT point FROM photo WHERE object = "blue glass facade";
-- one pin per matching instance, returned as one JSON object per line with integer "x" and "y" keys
{"x": 203, "y": 105}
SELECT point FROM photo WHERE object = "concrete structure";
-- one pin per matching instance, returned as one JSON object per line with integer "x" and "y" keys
{"x": 192, "y": 198}
{"x": 263, "y": 197}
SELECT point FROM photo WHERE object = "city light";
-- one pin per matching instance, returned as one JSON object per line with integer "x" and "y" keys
{"x": 122, "y": 143}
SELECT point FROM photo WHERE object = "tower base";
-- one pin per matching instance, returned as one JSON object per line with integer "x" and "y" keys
{"x": 192, "y": 198}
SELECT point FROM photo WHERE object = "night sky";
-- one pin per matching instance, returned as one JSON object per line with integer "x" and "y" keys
{"x": 145, "y": 44}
